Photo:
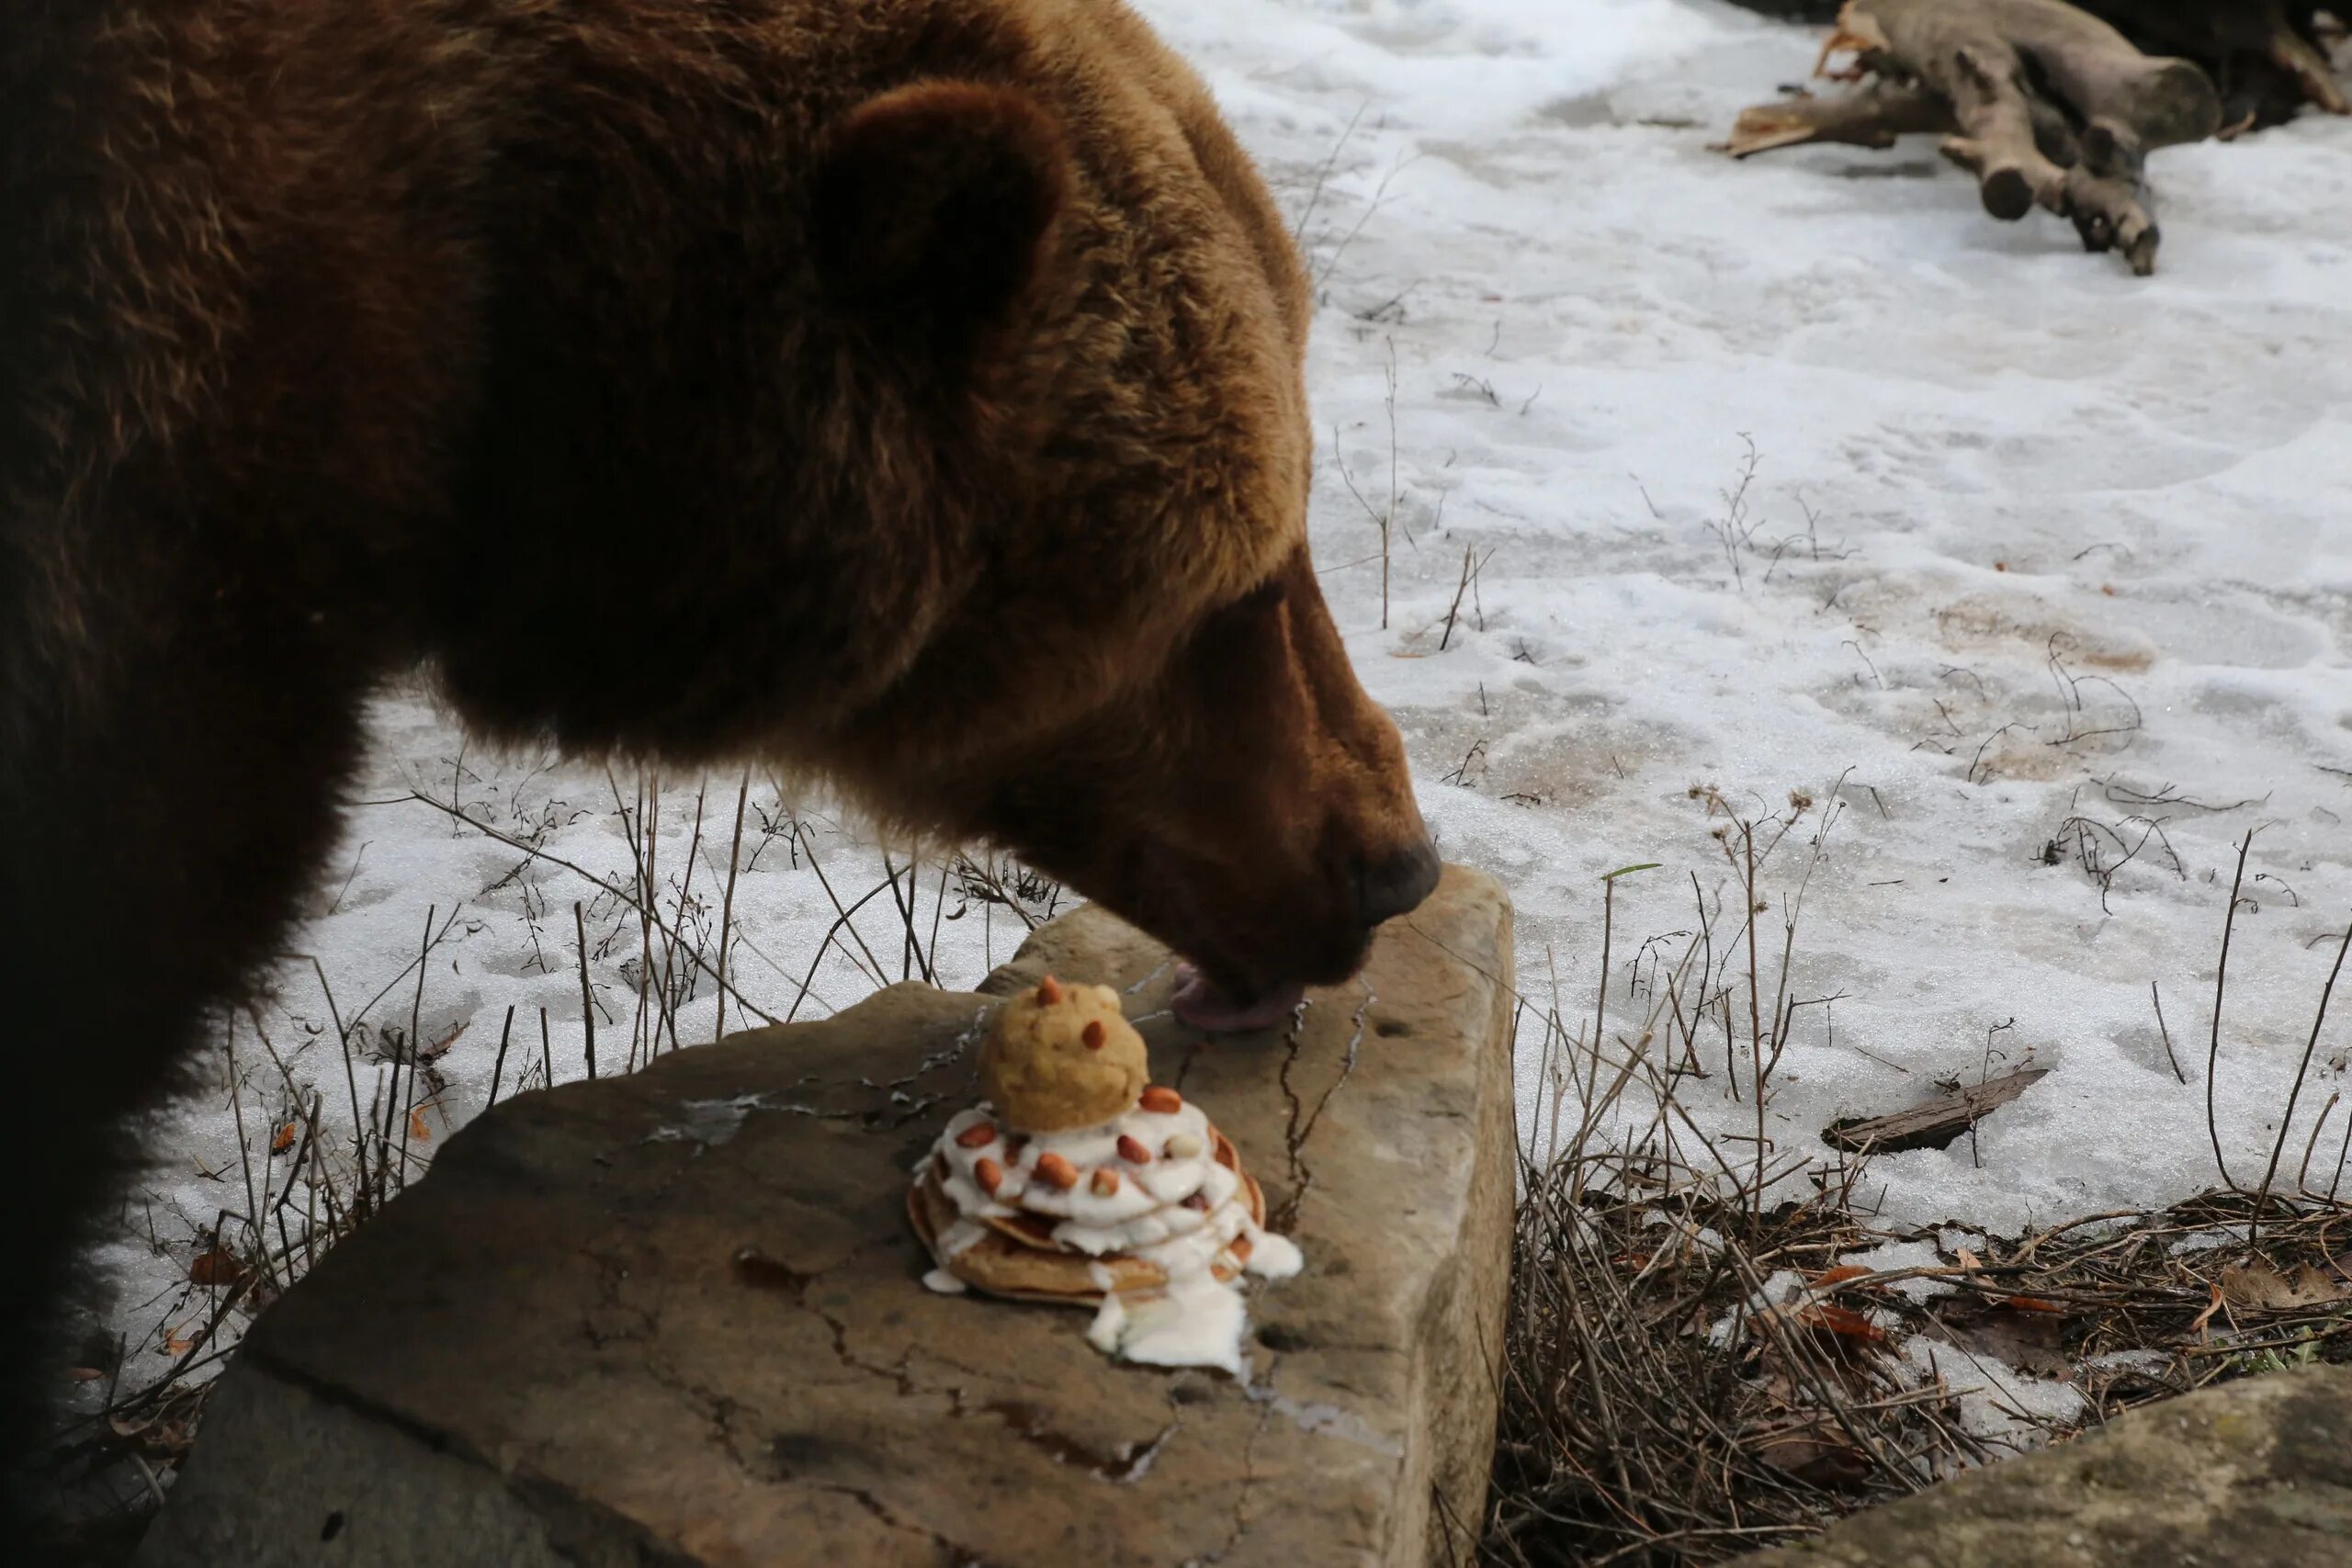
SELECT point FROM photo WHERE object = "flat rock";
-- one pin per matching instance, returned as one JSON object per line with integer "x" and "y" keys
{"x": 676, "y": 1317}
{"x": 2255, "y": 1474}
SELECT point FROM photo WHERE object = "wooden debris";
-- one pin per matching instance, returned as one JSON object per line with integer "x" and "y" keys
{"x": 2045, "y": 103}
{"x": 2056, "y": 108}
{"x": 1936, "y": 1122}
{"x": 2268, "y": 58}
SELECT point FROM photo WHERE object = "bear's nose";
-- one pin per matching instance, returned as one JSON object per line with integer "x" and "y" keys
{"x": 1395, "y": 883}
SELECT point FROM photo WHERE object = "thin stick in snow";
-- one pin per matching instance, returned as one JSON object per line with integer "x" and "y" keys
{"x": 405, "y": 1109}
{"x": 587, "y": 999}
{"x": 2157, "y": 997}
{"x": 498, "y": 1068}
{"x": 727, "y": 903}
{"x": 2221, "y": 990}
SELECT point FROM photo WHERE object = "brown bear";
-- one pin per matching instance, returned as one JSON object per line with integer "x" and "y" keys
{"x": 905, "y": 392}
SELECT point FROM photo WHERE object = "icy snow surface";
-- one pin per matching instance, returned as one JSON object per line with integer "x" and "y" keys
{"x": 2032, "y": 540}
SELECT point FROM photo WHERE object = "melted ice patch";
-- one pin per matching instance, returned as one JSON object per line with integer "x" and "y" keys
{"x": 707, "y": 1123}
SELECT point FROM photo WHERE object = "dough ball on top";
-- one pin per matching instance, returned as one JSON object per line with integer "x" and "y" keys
{"x": 1062, "y": 1057}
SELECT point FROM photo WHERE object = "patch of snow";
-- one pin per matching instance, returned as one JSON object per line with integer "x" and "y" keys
{"x": 2208, "y": 1240}
{"x": 1892, "y": 1256}
{"x": 2043, "y": 554}
{"x": 1996, "y": 1401}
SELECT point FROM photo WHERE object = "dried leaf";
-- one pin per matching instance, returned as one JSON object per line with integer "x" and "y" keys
{"x": 417, "y": 1131}
{"x": 1843, "y": 1322}
{"x": 82, "y": 1374}
{"x": 162, "y": 1438}
{"x": 2257, "y": 1288}
{"x": 218, "y": 1267}
{"x": 1840, "y": 1274}
{"x": 284, "y": 1140}
{"x": 1817, "y": 1453}
{"x": 2033, "y": 1342}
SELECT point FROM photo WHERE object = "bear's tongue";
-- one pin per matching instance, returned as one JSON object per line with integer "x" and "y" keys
{"x": 1204, "y": 1004}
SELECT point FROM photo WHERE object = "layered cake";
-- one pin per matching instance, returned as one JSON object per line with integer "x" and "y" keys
{"x": 1078, "y": 1182}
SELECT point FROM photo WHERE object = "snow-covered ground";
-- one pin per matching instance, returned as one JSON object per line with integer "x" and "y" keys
{"x": 2032, "y": 552}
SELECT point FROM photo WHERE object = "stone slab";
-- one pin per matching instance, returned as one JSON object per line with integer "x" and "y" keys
{"x": 2255, "y": 1474}
{"x": 676, "y": 1317}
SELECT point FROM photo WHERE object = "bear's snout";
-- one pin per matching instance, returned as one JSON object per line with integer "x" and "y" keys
{"x": 1274, "y": 827}
{"x": 1393, "y": 884}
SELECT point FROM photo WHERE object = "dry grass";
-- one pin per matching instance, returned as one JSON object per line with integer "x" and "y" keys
{"x": 1666, "y": 1399}
{"x": 1691, "y": 1371}
{"x": 1664, "y": 1406}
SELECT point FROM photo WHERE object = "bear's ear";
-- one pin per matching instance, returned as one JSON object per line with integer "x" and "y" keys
{"x": 933, "y": 208}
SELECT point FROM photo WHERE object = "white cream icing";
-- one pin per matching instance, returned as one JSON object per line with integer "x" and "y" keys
{"x": 1182, "y": 1213}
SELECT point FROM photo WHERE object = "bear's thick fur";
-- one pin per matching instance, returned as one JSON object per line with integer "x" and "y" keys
{"x": 903, "y": 391}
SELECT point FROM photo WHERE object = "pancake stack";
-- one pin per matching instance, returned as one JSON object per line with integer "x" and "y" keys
{"x": 1078, "y": 1183}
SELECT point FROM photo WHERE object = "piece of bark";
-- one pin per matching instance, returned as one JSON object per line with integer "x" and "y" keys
{"x": 1873, "y": 114}
{"x": 1934, "y": 1124}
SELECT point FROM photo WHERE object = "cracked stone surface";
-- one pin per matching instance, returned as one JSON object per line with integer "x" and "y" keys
{"x": 2255, "y": 1474}
{"x": 676, "y": 1319}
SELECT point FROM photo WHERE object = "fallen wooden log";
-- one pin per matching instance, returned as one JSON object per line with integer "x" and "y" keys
{"x": 1933, "y": 1123}
{"x": 2045, "y": 104}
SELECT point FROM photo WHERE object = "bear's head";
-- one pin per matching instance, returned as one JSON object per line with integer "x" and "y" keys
{"x": 968, "y": 367}
{"x": 1136, "y": 685}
